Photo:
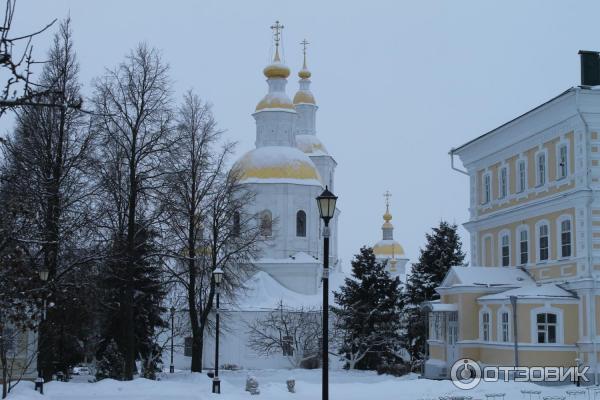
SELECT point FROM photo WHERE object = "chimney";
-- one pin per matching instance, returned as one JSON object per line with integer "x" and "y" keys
{"x": 590, "y": 68}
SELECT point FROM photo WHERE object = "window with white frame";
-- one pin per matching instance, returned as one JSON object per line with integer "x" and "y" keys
{"x": 541, "y": 169}
{"x": 503, "y": 181}
{"x": 505, "y": 249}
{"x": 522, "y": 167}
{"x": 523, "y": 247}
{"x": 544, "y": 242}
{"x": 565, "y": 238}
{"x": 563, "y": 161}
{"x": 546, "y": 327}
{"x": 487, "y": 188}
{"x": 504, "y": 326}
{"x": 485, "y": 326}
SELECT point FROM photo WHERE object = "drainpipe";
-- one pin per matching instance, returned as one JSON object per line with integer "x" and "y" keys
{"x": 451, "y": 153}
{"x": 513, "y": 302}
{"x": 592, "y": 304}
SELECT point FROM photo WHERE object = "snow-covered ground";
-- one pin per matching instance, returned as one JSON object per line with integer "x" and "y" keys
{"x": 345, "y": 385}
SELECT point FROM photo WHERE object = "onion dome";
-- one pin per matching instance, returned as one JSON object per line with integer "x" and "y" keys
{"x": 311, "y": 145}
{"x": 276, "y": 69}
{"x": 388, "y": 247}
{"x": 277, "y": 164}
{"x": 304, "y": 95}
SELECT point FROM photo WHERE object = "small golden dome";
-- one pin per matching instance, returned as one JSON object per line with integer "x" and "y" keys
{"x": 304, "y": 97}
{"x": 276, "y": 70}
{"x": 388, "y": 248}
{"x": 304, "y": 73}
{"x": 387, "y": 217}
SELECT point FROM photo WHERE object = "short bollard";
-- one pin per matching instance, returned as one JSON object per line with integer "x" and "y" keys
{"x": 291, "y": 385}
{"x": 252, "y": 385}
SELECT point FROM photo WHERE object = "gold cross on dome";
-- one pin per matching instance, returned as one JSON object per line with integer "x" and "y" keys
{"x": 277, "y": 32}
{"x": 387, "y": 196}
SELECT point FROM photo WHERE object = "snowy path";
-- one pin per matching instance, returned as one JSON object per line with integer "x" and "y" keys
{"x": 344, "y": 386}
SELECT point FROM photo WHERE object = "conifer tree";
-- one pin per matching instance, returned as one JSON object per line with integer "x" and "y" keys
{"x": 368, "y": 314}
{"x": 442, "y": 251}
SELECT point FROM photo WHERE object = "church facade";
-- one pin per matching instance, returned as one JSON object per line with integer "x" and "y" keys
{"x": 288, "y": 168}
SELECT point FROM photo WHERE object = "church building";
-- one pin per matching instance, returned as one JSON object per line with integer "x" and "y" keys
{"x": 288, "y": 168}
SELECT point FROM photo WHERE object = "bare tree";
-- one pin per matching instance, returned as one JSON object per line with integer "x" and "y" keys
{"x": 16, "y": 65}
{"x": 294, "y": 333}
{"x": 205, "y": 216}
{"x": 133, "y": 104}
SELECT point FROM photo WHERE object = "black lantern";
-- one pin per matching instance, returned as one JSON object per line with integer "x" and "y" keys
{"x": 218, "y": 275}
{"x": 326, "y": 202}
{"x": 43, "y": 275}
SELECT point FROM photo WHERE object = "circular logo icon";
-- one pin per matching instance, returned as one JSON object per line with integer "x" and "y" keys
{"x": 465, "y": 374}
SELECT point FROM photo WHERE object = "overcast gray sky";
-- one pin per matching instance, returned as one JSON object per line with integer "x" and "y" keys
{"x": 398, "y": 83}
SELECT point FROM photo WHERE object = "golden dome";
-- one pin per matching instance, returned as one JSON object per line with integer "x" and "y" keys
{"x": 276, "y": 69}
{"x": 272, "y": 100}
{"x": 388, "y": 248}
{"x": 304, "y": 73}
{"x": 304, "y": 96}
{"x": 311, "y": 145}
{"x": 277, "y": 164}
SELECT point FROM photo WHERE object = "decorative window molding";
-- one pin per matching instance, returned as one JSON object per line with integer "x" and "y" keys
{"x": 503, "y": 182}
{"x": 547, "y": 325}
{"x": 562, "y": 159}
{"x": 484, "y": 251}
{"x": 504, "y": 250}
{"x": 564, "y": 226}
{"x": 523, "y": 244}
{"x": 541, "y": 168}
{"x": 521, "y": 175}
{"x": 485, "y": 324}
{"x": 542, "y": 229}
{"x": 486, "y": 188}
{"x": 504, "y": 318}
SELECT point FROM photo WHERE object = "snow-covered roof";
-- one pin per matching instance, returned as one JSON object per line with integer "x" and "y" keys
{"x": 298, "y": 258}
{"x": 439, "y": 307}
{"x": 263, "y": 292}
{"x": 532, "y": 291}
{"x": 485, "y": 276}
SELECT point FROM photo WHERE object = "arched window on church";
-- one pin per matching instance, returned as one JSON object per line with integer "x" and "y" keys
{"x": 236, "y": 224}
{"x": 301, "y": 223}
{"x": 266, "y": 223}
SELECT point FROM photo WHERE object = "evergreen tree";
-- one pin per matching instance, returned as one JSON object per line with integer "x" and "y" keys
{"x": 149, "y": 293}
{"x": 368, "y": 314}
{"x": 442, "y": 251}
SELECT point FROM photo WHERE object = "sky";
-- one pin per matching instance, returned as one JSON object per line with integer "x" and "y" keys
{"x": 398, "y": 83}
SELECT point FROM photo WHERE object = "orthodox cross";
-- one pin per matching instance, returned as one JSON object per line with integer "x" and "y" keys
{"x": 304, "y": 44}
{"x": 387, "y": 196}
{"x": 277, "y": 32}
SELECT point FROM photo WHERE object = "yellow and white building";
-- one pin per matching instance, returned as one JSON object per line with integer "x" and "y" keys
{"x": 535, "y": 239}
{"x": 388, "y": 249}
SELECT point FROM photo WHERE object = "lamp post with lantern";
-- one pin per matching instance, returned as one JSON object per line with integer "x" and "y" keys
{"x": 326, "y": 202}
{"x": 172, "y": 366}
{"x": 218, "y": 277}
{"x": 39, "y": 382}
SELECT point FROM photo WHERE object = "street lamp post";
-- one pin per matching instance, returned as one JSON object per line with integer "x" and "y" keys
{"x": 172, "y": 366}
{"x": 216, "y": 382}
{"x": 326, "y": 202}
{"x": 39, "y": 382}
